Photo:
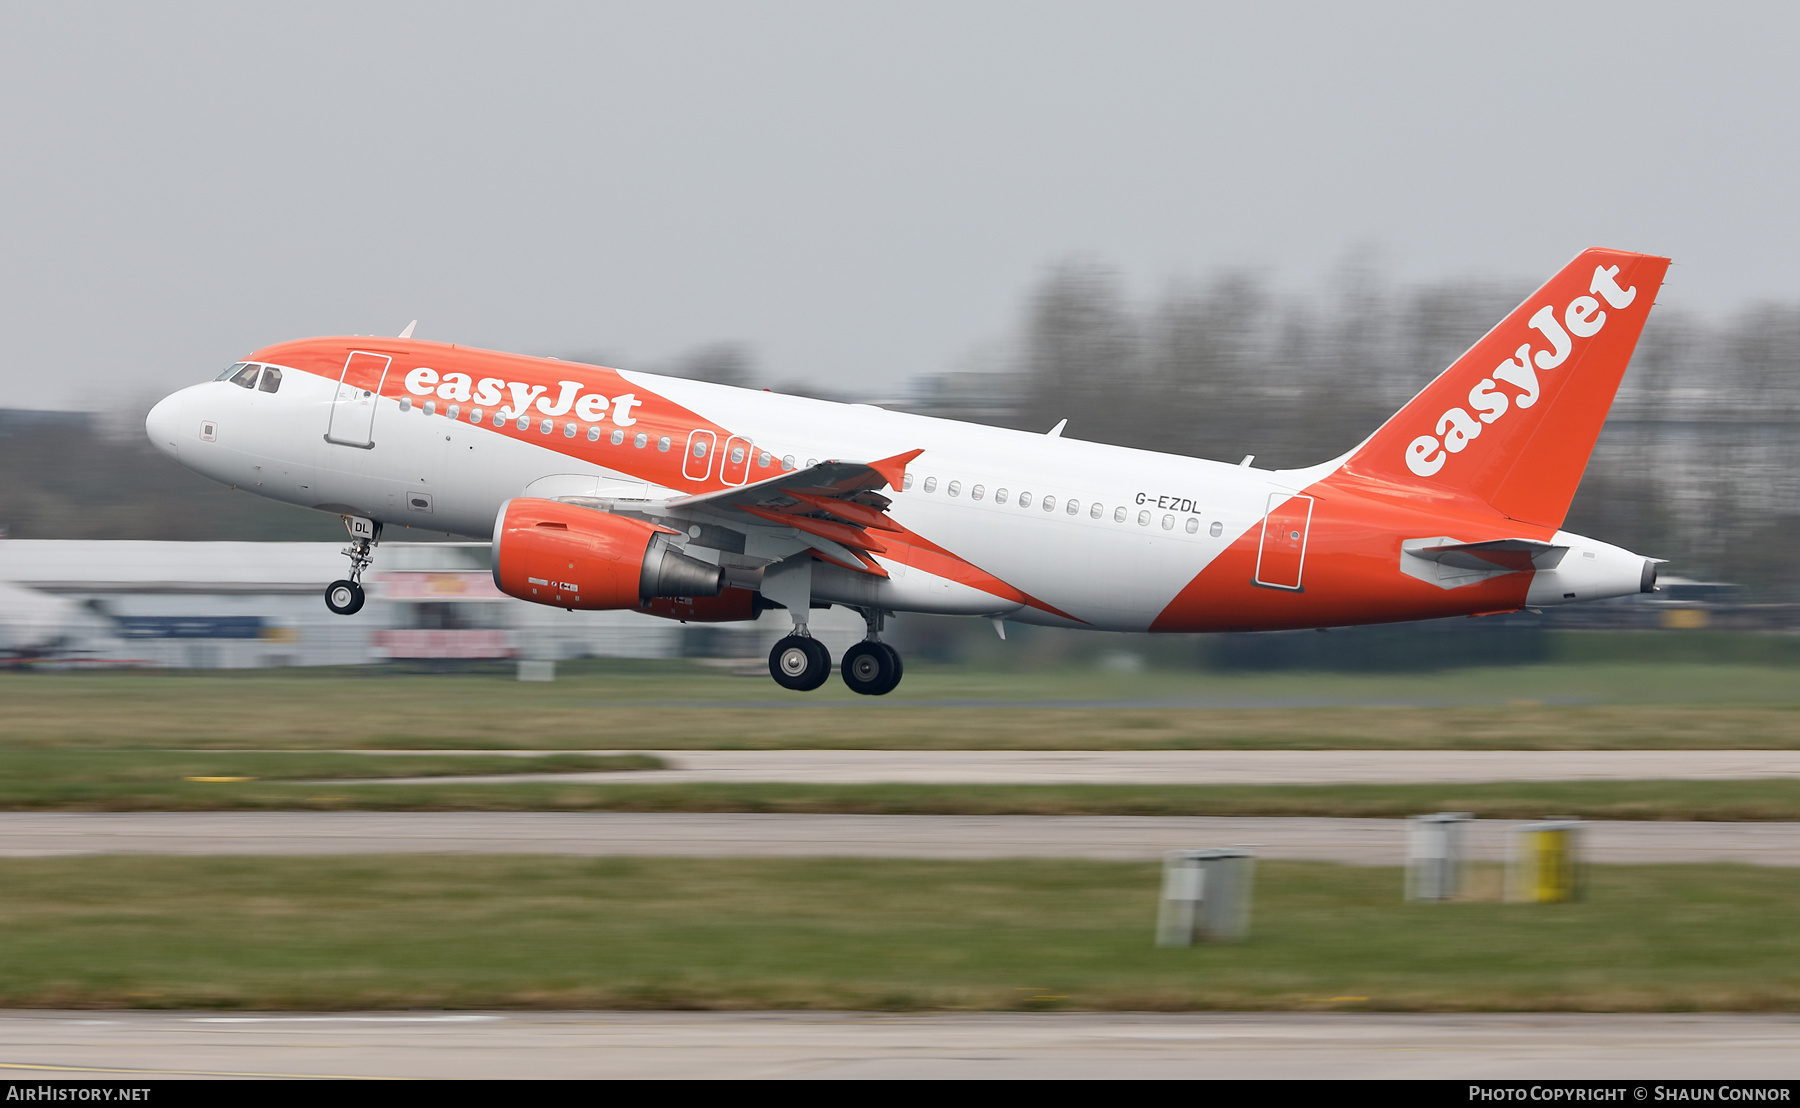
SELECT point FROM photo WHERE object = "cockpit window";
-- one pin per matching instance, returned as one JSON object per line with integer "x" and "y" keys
{"x": 226, "y": 373}
{"x": 246, "y": 378}
{"x": 271, "y": 379}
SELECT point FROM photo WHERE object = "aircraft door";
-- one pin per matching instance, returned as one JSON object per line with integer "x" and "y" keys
{"x": 701, "y": 446}
{"x": 1282, "y": 555}
{"x": 353, "y": 409}
{"x": 734, "y": 466}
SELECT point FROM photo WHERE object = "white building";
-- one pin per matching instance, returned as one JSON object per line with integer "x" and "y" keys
{"x": 229, "y": 605}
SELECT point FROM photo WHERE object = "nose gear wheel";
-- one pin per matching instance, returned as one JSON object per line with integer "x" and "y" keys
{"x": 344, "y": 597}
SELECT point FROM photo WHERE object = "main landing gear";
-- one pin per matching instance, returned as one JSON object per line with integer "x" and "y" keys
{"x": 871, "y": 667}
{"x": 801, "y": 662}
{"x": 346, "y": 597}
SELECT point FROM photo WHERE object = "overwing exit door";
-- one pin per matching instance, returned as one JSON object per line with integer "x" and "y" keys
{"x": 353, "y": 409}
{"x": 1282, "y": 555}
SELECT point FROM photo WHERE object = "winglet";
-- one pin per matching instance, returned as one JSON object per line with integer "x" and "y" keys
{"x": 893, "y": 470}
{"x": 407, "y": 334}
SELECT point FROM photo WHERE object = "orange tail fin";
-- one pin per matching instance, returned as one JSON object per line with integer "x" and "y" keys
{"x": 1513, "y": 421}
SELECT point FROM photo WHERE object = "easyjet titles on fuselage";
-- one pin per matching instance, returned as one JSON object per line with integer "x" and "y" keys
{"x": 461, "y": 388}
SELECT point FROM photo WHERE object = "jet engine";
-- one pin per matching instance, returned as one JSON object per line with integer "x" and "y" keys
{"x": 549, "y": 552}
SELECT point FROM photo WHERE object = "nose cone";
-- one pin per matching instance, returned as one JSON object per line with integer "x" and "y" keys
{"x": 163, "y": 422}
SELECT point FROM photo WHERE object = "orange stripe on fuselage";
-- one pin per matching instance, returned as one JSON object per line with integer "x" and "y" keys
{"x": 1352, "y": 570}
{"x": 653, "y": 415}
{"x": 918, "y": 552}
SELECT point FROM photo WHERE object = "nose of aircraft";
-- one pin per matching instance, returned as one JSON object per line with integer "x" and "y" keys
{"x": 163, "y": 422}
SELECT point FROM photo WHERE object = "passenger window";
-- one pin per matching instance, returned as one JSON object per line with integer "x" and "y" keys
{"x": 452, "y": 411}
{"x": 640, "y": 440}
{"x": 1168, "y": 523}
{"x": 737, "y": 455}
{"x": 1096, "y": 511}
{"x": 547, "y": 426}
{"x": 568, "y": 430}
{"x": 699, "y": 449}
{"x": 1024, "y": 500}
{"x": 474, "y": 415}
{"x": 787, "y": 462}
{"x": 524, "y": 423}
{"x": 662, "y": 444}
{"x": 1073, "y": 507}
{"x": 406, "y": 403}
{"x": 763, "y": 459}
{"x": 906, "y": 483}
{"x": 246, "y": 378}
{"x": 999, "y": 496}
{"x": 618, "y": 436}
{"x": 977, "y": 493}
{"x": 431, "y": 407}
{"x": 1216, "y": 529}
{"x": 1049, "y": 503}
{"x": 931, "y": 484}
{"x": 1143, "y": 519}
{"x": 500, "y": 418}
{"x": 1119, "y": 514}
{"x": 1193, "y": 526}
{"x": 271, "y": 380}
{"x": 593, "y": 434}
{"x": 954, "y": 488}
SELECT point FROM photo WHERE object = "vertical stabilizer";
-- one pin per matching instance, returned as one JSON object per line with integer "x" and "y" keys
{"x": 1513, "y": 421}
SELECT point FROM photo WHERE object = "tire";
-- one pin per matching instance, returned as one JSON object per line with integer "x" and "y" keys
{"x": 871, "y": 668}
{"x": 800, "y": 664}
{"x": 899, "y": 666}
{"x": 344, "y": 597}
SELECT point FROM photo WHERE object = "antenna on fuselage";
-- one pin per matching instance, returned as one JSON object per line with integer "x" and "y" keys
{"x": 1056, "y": 431}
{"x": 407, "y": 334}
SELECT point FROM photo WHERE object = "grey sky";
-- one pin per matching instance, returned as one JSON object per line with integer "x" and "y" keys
{"x": 860, "y": 192}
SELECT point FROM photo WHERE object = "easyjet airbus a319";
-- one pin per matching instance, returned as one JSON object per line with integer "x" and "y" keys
{"x": 603, "y": 489}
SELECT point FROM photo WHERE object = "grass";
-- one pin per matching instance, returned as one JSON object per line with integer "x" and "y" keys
{"x": 1757, "y": 800}
{"x": 538, "y": 932}
{"x": 675, "y": 705}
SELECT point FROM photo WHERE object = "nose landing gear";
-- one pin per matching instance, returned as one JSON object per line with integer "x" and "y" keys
{"x": 345, "y": 597}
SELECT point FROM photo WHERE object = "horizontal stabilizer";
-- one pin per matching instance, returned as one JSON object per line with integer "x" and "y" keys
{"x": 1507, "y": 554}
{"x": 1449, "y": 564}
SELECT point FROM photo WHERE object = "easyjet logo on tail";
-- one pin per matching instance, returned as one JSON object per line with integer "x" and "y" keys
{"x": 1582, "y": 318}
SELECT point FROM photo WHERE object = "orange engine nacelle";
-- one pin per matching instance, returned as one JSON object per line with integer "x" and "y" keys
{"x": 568, "y": 556}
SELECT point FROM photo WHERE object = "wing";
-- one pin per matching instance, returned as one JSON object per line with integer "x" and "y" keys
{"x": 832, "y": 508}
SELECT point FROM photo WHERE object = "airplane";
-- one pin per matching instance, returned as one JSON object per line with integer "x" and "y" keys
{"x": 604, "y": 489}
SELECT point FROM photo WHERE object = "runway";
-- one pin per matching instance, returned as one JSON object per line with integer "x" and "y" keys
{"x": 1636, "y": 1048}
{"x": 699, "y": 834}
{"x": 1163, "y": 767}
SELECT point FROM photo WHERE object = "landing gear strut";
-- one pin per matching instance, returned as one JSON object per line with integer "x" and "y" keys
{"x": 872, "y": 667}
{"x": 346, "y": 597}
